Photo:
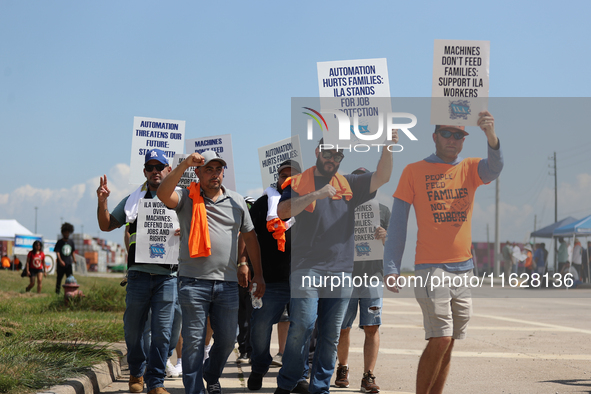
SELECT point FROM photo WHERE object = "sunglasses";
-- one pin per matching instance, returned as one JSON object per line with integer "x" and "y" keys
{"x": 337, "y": 156}
{"x": 447, "y": 134}
{"x": 158, "y": 167}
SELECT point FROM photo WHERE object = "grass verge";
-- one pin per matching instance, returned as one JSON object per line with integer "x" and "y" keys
{"x": 44, "y": 342}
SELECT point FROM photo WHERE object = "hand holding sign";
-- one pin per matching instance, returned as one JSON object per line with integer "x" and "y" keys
{"x": 394, "y": 136}
{"x": 103, "y": 191}
{"x": 487, "y": 124}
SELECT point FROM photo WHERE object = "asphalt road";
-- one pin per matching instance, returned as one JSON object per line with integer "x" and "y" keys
{"x": 519, "y": 341}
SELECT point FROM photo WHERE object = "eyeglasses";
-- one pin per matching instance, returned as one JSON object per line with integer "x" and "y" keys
{"x": 447, "y": 134}
{"x": 337, "y": 156}
{"x": 158, "y": 167}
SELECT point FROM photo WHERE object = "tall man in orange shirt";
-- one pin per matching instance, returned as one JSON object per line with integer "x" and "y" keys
{"x": 441, "y": 188}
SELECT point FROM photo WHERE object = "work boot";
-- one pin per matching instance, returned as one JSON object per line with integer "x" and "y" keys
{"x": 136, "y": 385}
{"x": 342, "y": 379}
{"x": 255, "y": 381}
{"x": 158, "y": 390}
{"x": 368, "y": 383}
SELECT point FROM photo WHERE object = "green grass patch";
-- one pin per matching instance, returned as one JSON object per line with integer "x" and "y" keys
{"x": 44, "y": 341}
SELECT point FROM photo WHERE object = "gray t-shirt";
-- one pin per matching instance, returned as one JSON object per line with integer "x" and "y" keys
{"x": 226, "y": 218}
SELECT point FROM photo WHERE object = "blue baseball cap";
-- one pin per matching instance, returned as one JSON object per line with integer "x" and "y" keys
{"x": 156, "y": 154}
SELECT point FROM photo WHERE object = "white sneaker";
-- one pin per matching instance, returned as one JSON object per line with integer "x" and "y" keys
{"x": 206, "y": 352}
{"x": 277, "y": 360}
{"x": 171, "y": 371}
{"x": 179, "y": 367}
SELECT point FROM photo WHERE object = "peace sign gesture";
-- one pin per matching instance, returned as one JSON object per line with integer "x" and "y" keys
{"x": 103, "y": 191}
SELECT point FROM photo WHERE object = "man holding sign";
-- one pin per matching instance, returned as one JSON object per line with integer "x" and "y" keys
{"x": 149, "y": 286}
{"x": 211, "y": 217}
{"x": 323, "y": 203}
{"x": 441, "y": 188}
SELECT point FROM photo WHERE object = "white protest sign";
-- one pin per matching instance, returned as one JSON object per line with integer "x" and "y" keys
{"x": 222, "y": 144}
{"x": 367, "y": 219}
{"x": 460, "y": 81}
{"x": 355, "y": 87}
{"x": 272, "y": 155}
{"x": 149, "y": 133}
{"x": 189, "y": 174}
{"x": 155, "y": 239}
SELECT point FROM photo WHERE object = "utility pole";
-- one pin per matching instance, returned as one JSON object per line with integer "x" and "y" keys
{"x": 35, "y": 220}
{"x": 497, "y": 241}
{"x": 555, "y": 202}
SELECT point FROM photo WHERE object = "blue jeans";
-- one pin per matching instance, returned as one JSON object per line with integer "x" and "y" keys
{"x": 261, "y": 325}
{"x": 328, "y": 312}
{"x": 145, "y": 292}
{"x": 199, "y": 299}
{"x": 174, "y": 335}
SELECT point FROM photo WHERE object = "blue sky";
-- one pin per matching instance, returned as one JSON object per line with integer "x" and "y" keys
{"x": 74, "y": 74}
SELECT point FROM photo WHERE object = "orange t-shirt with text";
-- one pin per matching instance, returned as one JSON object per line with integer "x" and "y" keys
{"x": 443, "y": 198}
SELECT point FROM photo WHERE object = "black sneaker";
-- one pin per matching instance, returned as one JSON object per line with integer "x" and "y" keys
{"x": 303, "y": 387}
{"x": 243, "y": 358}
{"x": 214, "y": 388}
{"x": 255, "y": 381}
{"x": 279, "y": 390}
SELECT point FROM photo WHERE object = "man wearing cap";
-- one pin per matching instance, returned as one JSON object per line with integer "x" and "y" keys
{"x": 274, "y": 237}
{"x": 211, "y": 217}
{"x": 368, "y": 299}
{"x": 441, "y": 188}
{"x": 149, "y": 286}
{"x": 323, "y": 203}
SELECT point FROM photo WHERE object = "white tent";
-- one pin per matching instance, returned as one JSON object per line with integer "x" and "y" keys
{"x": 9, "y": 228}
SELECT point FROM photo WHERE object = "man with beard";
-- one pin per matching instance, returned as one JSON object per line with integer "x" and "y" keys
{"x": 149, "y": 286}
{"x": 211, "y": 217}
{"x": 274, "y": 236}
{"x": 323, "y": 203}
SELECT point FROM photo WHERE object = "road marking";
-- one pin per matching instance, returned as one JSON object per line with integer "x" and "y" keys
{"x": 490, "y": 328}
{"x": 548, "y": 356}
{"x": 520, "y": 321}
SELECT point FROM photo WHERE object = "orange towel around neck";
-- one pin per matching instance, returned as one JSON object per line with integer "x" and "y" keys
{"x": 199, "y": 243}
{"x": 277, "y": 227}
{"x": 304, "y": 184}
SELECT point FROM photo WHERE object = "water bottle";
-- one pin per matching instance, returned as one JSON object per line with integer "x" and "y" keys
{"x": 257, "y": 303}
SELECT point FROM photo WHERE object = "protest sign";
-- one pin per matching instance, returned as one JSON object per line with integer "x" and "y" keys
{"x": 460, "y": 81}
{"x": 367, "y": 219}
{"x": 272, "y": 155}
{"x": 155, "y": 239}
{"x": 355, "y": 87}
{"x": 222, "y": 144}
{"x": 189, "y": 174}
{"x": 149, "y": 133}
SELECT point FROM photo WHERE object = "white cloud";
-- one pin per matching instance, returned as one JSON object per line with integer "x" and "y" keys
{"x": 76, "y": 204}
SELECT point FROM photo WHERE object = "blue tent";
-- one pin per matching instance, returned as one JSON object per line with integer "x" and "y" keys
{"x": 548, "y": 231}
{"x": 580, "y": 227}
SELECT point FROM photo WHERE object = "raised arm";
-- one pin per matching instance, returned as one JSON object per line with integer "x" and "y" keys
{"x": 106, "y": 221}
{"x": 384, "y": 168}
{"x": 166, "y": 191}
{"x": 490, "y": 168}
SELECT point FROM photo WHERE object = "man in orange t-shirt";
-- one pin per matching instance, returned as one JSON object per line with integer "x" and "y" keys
{"x": 441, "y": 188}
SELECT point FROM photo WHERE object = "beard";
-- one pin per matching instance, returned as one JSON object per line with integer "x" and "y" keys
{"x": 322, "y": 171}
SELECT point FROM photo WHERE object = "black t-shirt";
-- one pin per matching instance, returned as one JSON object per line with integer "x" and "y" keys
{"x": 323, "y": 239}
{"x": 65, "y": 248}
{"x": 275, "y": 263}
